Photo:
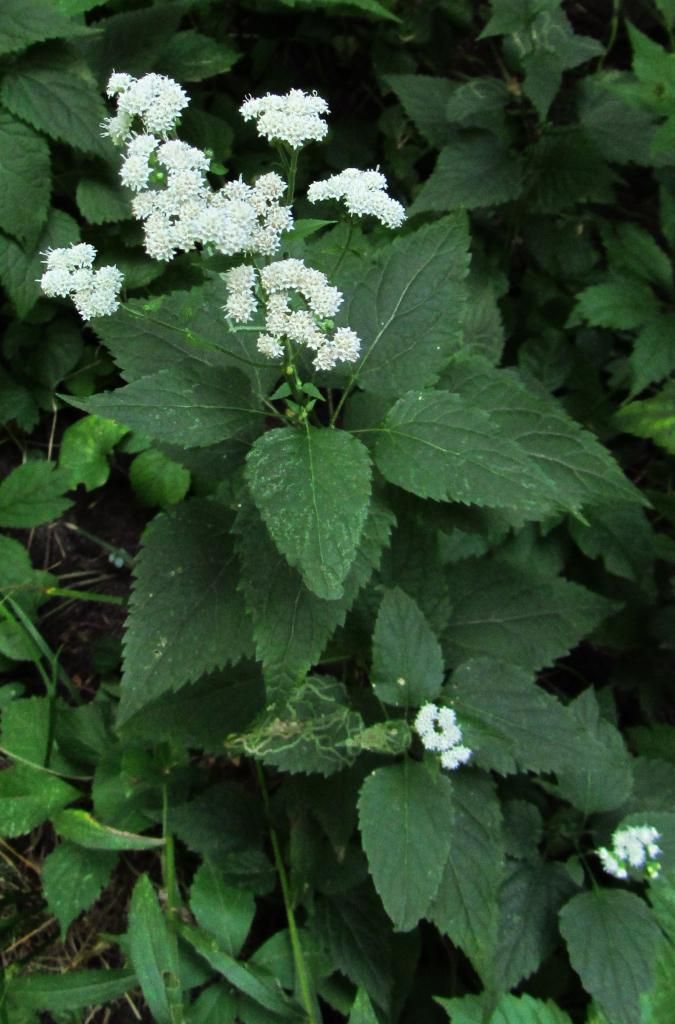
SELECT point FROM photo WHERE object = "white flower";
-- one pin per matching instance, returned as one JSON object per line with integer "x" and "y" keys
{"x": 136, "y": 168}
{"x": 284, "y": 275}
{"x": 269, "y": 346}
{"x": 294, "y": 118}
{"x": 363, "y": 193}
{"x": 155, "y": 99}
{"x": 633, "y": 847}
{"x": 69, "y": 272}
{"x": 241, "y": 301}
{"x": 440, "y": 733}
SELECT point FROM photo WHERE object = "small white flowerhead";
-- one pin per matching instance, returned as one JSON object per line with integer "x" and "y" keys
{"x": 157, "y": 100}
{"x": 294, "y": 118}
{"x": 438, "y": 729}
{"x": 363, "y": 193}
{"x": 69, "y": 273}
{"x": 634, "y": 848}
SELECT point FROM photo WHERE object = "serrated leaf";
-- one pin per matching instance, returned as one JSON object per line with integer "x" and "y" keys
{"x": 224, "y": 911}
{"x": 313, "y": 731}
{"x": 85, "y": 447}
{"x": 565, "y": 168}
{"x": 291, "y": 625}
{"x": 28, "y": 797}
{"x": 190, "y": 56}
{"x": 653, "y": 355}
{"x": 180, "y": 329}
{"x": 21, "y": 269}
{"x": 25, "y": 178}
{"x": 622, "y": 304}
{"x": 424, "y": 99}
{"x": 18, "y": 579}
{"x": 612, "y": 939}
{"x": 505, "y": 613}
{"x": 193, "y": 406}
{"x": 362, "y": 1011}
{"x": 312, "y": 488}
{"x": 475, "y": 169}
{"x": 602, "y": 779}
{"x": 529, "y": 901}
{"x": 32, "y": 494}
{"x": 526, "y": 1010}
{"x": 185, "y": 581}
{"x": 23, "y": 22}
{"x": 73, "y": 878}
{"x": 100, "y": 202}
{"x": 465, "y": 906}
{"x": 59, "y": 98}
{"x": 153, "y": 953}
{"x": 407, "y": 659}
{"x": 621, "y": 536}
{"x": 408, "y": 309}
{"x": 74, "y": 990}
{"x": 653, "y": 418}
{"x": 256, "y": 983}
{"x": 82, "y": 828}
{"x": 399, "y": 807}
{"x": 509, "y": 721}
{"x": 437, "y": 445}
{"x": 157, "y": 479}
{"x": 579, "y": 469}
{"x": 354, "y": 931}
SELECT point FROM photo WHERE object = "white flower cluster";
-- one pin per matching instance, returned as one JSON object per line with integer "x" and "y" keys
{"x": 364, "y": 194}
{"x": 155, "y": 99}
{"x": 174, "y": 198}
{"x": 440, "y": 733}
{"x": 294, "y": 118}
{"x": 285, "y": 284}
{"x": 69, "y": 273}
{"x": 632, "y": 847}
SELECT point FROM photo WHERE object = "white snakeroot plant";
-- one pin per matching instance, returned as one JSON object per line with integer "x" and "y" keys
{"x": 70, "y": 273}
{"x": 294, "y": 118}
{"x": 438, "y": 729}
{"x": 634, "y": 848}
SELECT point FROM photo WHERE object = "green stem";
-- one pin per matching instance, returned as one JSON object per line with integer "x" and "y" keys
{"x": 345, "y": 249}
{"x": 82, "y": 595}
{"x": 292, "y": 172}
{"x": 304, "y": 982}
{"x": 168, "y": 859}
{"x": 103, "y": 544}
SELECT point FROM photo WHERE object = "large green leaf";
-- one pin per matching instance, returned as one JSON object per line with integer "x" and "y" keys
{"x": 23, "y": 22}
{"x": 28, "y": 797}
{"x": 157, "y": 479}
{"x": 439, "y": 445}
{"x": 190, "y": 56}
{"x": 475, "y": 169}
{"x": 602, "y": 779}
{"x": 399, "y": 809}
{"x": 580, "y": 469}
{"x": 314, "y": 731}
{"x": 25, "y": 178}
{"x": 185, "y": 588}
{"x": 312, "y": 488}
{"x": 407, "y": 660}
{"x": 529, "y": 901}
{"x": 74, "y": 990}
{"x": 153, "y": 953}
{"x": 362, "y": 1011}
{"x": 58, "y": 97}
{"x": 32, "y": 494}
{"x": 612, "y": 939}
{"x": 291, "y": 625}
{"x": 424, "y": 99}
{"x": 192, "y": 406}
{"x": 178, "y": 329}
{"x": 465, "y": 907}
{"x": 225, "y": 911}
{"x": 510, "y": 722}
{"x": 503, "y": 612}
{"x": 101, "y": 202}
{"x": 73, "y": 878}
{"x": 82, "y": 828}
{"x": 408, "y": 309}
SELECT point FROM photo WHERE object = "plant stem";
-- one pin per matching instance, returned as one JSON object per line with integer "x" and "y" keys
{"x": 82, "y": 595}
{"x": 613, "y": 31}
{"x": 304, "y": 982}
{"x": 292, "y": 172}
{"x": 345, "y": 250}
